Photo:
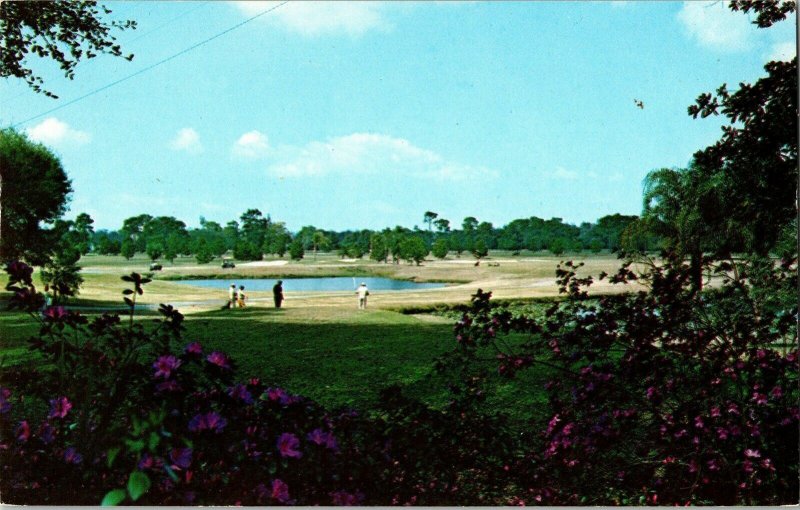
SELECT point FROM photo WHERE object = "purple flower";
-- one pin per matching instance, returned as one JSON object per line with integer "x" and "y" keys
{"x": 193, "y": 348}
{"x": 55, "y": 313}
{"x": 280, "y": 491}
{"x": 208, "y": 421}
{"x": 181, "y": 457}
{"x": 343, "y": 498}
{"x": 239, "y": 392}
{"x": 23, "y": 431}
{"x": 146, "y": 462}
{"x": 288, "y": 444}
{"x": 59, "y": 407}
{"x": 219, "y": 359}
{"x": 20, "y": 271}
{"x": 753, "y": 454}
{"x": 327, "y": 439}
{"x": 72, "y": 456}
{"x": 47, "y": 433}
{"x": 165, "y": 365}
{"x": 5, "y": 405}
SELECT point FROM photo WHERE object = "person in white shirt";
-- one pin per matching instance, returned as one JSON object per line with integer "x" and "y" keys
{"x": 232, "y": 297}
{"x": 362, "y": 292}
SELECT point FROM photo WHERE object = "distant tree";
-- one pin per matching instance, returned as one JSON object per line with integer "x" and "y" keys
{"x": 134, "y": 228}
{"x": 595, "y": 246}
{"x": 320, "y": 241}
{"x": 439, "y": 249}
{"x": 413, "y": 249}
{"x": 469, "y": 224}
{"x": 480, "y": 250}
{"x": 155, "y": 250}
{"x": 127, "y": 249}
{"x": 379, "y": 250}
{"x": 33, "y": 192}
{"x": 557, "y": 246}
{"x": 296, "y": 250}
{"x": 245, "y": 250}
{"x": 107, "y": 246}
{"x": 61, "y": 272}
{"x": 429, "y": 217}
{"x": 231, "y": 234}
{"x": 63, "y": 31}
{"x": 442, "y": 225}
{"x": 203, "y": 253}
{"x": 84, "y": 231}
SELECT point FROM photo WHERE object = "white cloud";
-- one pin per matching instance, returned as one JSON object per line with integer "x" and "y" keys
{"x": 52, "y": 131}
{"x": 563, "y": 173}
{"x": 717, "y": 27}
{"x": 251, "y": 145}
{"x": 321, "y": 18}
{"x": 187, "y": 140}
{"x": 370, "y": 153}
{"x": 784, "y": 51}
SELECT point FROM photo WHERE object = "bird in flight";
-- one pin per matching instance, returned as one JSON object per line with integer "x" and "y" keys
{"x": 638, "y": 103}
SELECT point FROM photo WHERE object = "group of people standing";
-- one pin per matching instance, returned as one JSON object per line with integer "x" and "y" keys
{"x": 236, "y": 297}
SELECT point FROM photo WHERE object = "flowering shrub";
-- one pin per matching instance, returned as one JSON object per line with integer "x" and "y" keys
{"x": 664, "y": 396}
{"x": 661, "y": 396}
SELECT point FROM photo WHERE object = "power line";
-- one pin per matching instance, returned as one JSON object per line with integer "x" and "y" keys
{"x": 152, "y": 66}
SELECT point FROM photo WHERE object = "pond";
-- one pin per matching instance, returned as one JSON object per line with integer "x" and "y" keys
{"x": 335, "y": 283}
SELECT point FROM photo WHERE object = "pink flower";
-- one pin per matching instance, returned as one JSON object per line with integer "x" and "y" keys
{"x": 760, "y": 398}
{"x": 193, "y": 348}
{"x": 747, "y": 466}
{"x": 239, "y": 392}
{"x": 181, "y": 457}
{"x": 5, "y": 405}
{"x": 59, "y": 407}
{"x": 288, "y": 444}
{"x": 55, "y": 313}
{"x": 777, "y": 392}
{"x": 23, "y": 431}
{"x": 753, "y": 454}
{"x": 280, "y": 491}
{"x": 219, "y": 359}
{"x": 209, "y": 421}
{"x": 165, "y": 365}
{"x": 72, "y": 456}
{"x": 715, "y": 413}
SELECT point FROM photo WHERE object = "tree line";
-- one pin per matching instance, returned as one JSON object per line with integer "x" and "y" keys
{"x": 255, "y": 235}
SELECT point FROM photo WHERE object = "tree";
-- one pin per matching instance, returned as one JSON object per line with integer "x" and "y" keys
{"x": 63, "y": 31}
{"x": 84, "y": 231}
{"x": 413, "y": 249}
{"x": 469, "y": 224}
{"x": 61, "y": 272}
{"x": 320, "y": 241}
{"x": 442, "y": 225}
{"x": 557, "y": 246}
{"x": 439, "y": 249}
{"x": 480, "y": 250}
{"x": 127, "y": 249}
{"x": 379, "y": 250}
{"x": 296, "y": 250}
{"x": 429, "y": 217}
{"x": 203, "y": 254}
{"x": 34, "y": 190}
{"x": 155, "y": 250}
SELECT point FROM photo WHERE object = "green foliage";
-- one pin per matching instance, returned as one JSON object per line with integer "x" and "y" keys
{"x": 245, "y": 250}
{"x": 296, "y": 250}
{"x": 128, "y": 249}
{"x": 33, "y": 192}
{"x": 480, "y": 250}
{"x": 557, "y": 246}
{"x": 154, "y": 250}
{"x": 439, "y": 249}
{"x": 413, "y": 249}
{"x": 65, "y": 32}
{"x": 203, "y": 254}
{"x": 379, "y": 250}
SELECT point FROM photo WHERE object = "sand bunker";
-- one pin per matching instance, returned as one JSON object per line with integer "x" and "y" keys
{"x": 263, "y": 263}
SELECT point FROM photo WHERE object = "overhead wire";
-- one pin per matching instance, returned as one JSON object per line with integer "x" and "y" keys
{"x": 152, "y": 66}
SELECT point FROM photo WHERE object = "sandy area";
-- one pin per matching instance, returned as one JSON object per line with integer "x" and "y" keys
{"x": 263, "y": 263}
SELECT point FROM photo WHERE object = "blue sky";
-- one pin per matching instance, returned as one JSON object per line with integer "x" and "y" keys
{"x": 366, "y": 115}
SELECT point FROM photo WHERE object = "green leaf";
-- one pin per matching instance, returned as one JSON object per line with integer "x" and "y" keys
{"x": 135, "y": 446}
{"x": 111, "y": 455}
{"x": 127, "y": 279}
{"x": 128, "y": 301}
{"x": 113, "y": 498}
{"x": 153, "y": 442}
{"x": 171, "y": 473}
{"x": 127, "y": 292}
{"x": 138, "y": 484}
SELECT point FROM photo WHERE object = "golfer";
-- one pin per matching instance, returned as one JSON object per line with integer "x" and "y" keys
{"x": 232, "y": 296}
{"x": 362, "y": 292}
{"x": 277, "y": 293}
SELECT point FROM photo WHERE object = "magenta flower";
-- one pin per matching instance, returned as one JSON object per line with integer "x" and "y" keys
{"x": 55, "y": 313}
{"x": 59, "y": 407}
{"x": 23, "y": 431}
{"x": 327, "y": 439}
{"x": 288, "y": 444}
{"x": 280, "y": 491}
{"x": 72, "y": 456}
{"x": 219, "y": 359}
{"x": 146, "y": 462}
{"x": 5, "y": 405}
{"x": 753, "y": 454}
{"x": 20, "y": 271}
{"x": 239, "y": 392}
{"x": 165, "y": 365}
{"x": 193, "y": 348}
{"x": 209, "y": 421}
{"x": 776, "y": 392}
{"x": 181, "y": 457}
{"x": 760, "y": 398}
{"x": 747, "y": 466}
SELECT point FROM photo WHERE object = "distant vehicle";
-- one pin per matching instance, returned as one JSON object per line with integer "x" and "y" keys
{"x": 228, "y": 264}
{"x": 155, "y": 266}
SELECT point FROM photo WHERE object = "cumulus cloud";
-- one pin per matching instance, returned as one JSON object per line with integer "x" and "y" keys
{"x": 563, "y": 173}
{"x": 52, "y": 131}
{"x": 321, "y": 18}
{"x": 715, "y": 26}
{"x": 784, "y": 51}
{"x": 187, "y": 140}
{"x": 370, "y": 153}
{"x": 251, "y": 145}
